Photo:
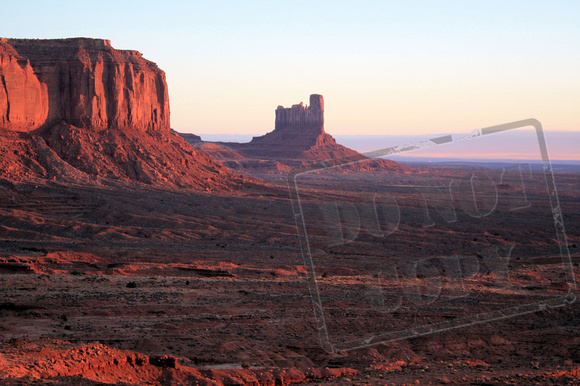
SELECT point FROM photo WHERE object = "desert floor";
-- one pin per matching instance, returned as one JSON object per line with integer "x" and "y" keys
{"x": 426, "y": 275}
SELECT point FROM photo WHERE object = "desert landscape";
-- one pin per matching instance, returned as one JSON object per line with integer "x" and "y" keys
{"x": 131, "y": 254}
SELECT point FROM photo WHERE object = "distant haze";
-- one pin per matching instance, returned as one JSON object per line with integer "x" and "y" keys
{"x": 515, "y": 145}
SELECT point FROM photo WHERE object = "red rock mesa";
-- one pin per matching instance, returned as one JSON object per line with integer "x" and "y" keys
{"x": 83, "y": 82}
{"x": 77, "y": 107}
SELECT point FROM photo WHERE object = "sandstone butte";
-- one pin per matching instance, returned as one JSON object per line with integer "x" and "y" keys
{"x": 78, "y": 107}
{"x": 298, "y": 138}
{"x": 298, "y": 135}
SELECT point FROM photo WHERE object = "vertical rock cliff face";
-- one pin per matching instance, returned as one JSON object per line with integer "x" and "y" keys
{"x": 86, "y": 83}
{"x": 23, "y": 98}
{"x": 298, "y": 117}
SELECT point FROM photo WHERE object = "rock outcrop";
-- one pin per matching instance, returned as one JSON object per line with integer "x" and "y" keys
{"x": 298, "y": 138}
{"x": 298, "y": 135}
{"x": 302, "y": 118}
{"x": 86, "y": 83}
{"x": 78, "y": 109}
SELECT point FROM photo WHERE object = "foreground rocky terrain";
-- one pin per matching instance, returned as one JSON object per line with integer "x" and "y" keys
{"x": 156, "y": 285}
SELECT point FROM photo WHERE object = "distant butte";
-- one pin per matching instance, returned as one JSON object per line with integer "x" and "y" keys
{"x": 298, "y": 137}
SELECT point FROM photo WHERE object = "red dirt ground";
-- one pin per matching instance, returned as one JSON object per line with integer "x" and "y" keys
{"x": 131, "y": 284}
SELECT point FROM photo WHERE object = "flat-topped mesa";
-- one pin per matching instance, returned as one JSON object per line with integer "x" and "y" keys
{"x": 300, "y": 117}
{"x": 80, "y": 110}
{"x": 83, "y": 82}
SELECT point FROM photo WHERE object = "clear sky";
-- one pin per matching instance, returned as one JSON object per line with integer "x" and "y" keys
{"x": 383, "y": 67}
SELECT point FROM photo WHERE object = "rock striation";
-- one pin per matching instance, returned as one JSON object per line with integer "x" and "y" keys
{"x": 302, "y": 118}
{"x": 82, "y": 82}
{"x": 23, "y": 98}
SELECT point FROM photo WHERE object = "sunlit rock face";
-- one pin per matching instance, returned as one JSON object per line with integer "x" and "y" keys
{"x": 79, "y": 110}
{"x": 82, "y": 82}
{"x": 23, "y": 98}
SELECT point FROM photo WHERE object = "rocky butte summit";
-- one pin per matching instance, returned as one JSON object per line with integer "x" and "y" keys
{"x": 79, "y": 108}
{"x": 298, "y": 135}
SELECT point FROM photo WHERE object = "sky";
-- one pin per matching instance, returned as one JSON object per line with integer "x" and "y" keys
{"x": 383, "y": 67}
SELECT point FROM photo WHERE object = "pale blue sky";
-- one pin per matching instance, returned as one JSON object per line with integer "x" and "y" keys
{"x": 383, "y": 67}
